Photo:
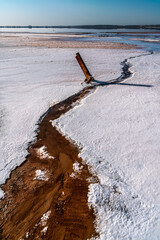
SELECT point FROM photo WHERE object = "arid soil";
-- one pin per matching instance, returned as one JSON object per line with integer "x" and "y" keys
{"x": 56, "y": 206}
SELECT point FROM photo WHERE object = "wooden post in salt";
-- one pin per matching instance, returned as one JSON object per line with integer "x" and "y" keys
{"x": 85, "y": 70}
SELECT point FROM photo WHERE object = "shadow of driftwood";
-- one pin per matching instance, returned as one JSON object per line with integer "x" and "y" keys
{"x": 100, "y": 83}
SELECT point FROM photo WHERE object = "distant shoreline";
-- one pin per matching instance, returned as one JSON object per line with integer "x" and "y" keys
{"x": 50, "y": 41}
{"x": 147, "y": 27}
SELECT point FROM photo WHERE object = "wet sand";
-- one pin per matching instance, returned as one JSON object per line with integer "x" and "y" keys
{"x": 61, "y": 196}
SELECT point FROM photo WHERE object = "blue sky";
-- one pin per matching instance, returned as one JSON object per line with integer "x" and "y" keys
{"x": 73, "y": 12}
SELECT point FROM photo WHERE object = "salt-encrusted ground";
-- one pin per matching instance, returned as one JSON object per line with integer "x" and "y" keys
{"x": 118, "y": 128}
{"x": 32, "y": 80}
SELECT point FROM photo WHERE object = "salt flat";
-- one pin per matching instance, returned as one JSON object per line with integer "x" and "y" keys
{"x": 117, "y": 127}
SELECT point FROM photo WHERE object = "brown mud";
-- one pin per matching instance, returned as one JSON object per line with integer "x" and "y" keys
{"x": 62, "y": 197}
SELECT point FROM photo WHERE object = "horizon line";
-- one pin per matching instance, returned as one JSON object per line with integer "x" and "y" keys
{"x": 85, "y": 26}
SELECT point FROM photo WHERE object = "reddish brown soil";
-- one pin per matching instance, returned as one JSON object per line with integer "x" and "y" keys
{"x": 26, "y": 199}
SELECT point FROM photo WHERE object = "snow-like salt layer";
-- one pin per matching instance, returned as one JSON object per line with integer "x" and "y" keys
{"x": 44, "y": 230}
{"x": 45, "y": 218}
{"x": 32, "y": 80}
{"x": 42, "y": 153}
{"x": 1, "y": 193}
{"x": 41, "y": 175}
{"x": 76, "y": 169}
{"x": 119, "y": 129}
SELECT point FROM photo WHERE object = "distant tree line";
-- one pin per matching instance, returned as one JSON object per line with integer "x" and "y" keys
{"x": 153, "y": 27}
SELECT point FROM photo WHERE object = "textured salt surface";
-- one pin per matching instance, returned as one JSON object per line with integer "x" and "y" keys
{"x": 32, "y": 80}
{"x": 117, "y": 126}
{"x": 41, "y": 175}
{"x": 118, "y": 129}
